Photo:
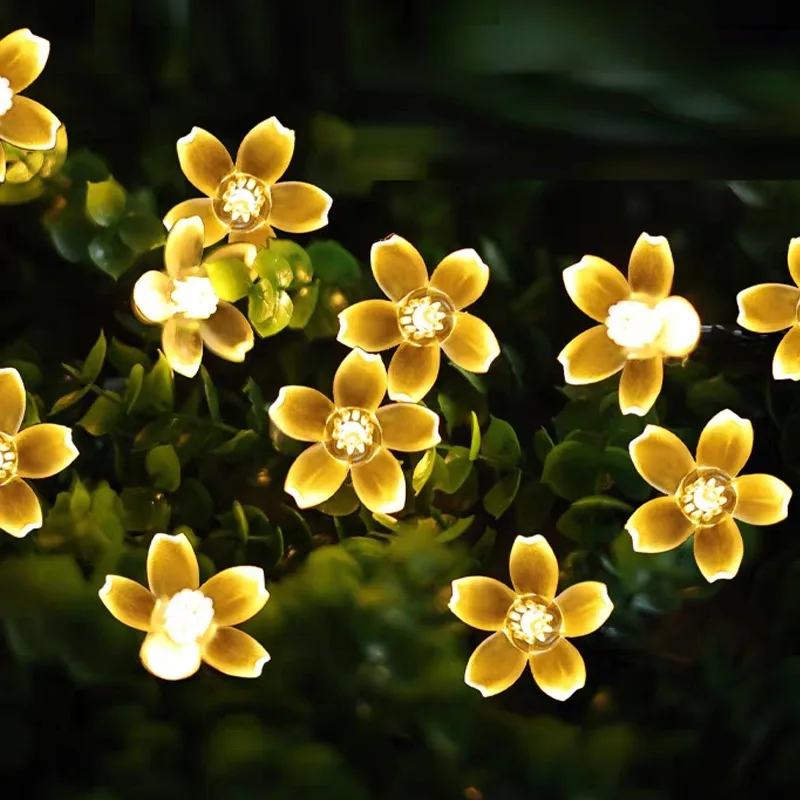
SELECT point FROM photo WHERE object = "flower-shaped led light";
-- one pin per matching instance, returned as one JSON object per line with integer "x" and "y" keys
{"x": 243, "y": 199}
{"x": 704, "y": 495}
{"x": 531, "y": 625}
{"x": 641, "y": 323}
{"x": 187, "y": 623}
{"x": 23, "y": 122}
{"x": 183, "y": 300}
{"x": 352, "y": 435}
{"x": 422, "y": 316}
{"x": 772, "y": 307}
{"x": 39, "y": 451}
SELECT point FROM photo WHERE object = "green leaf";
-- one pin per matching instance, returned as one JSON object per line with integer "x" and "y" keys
{"x": 593, "y": 520}
{"x": 257, "y": 413}
{"x": 305, "y": 301}
{"x": 158, "y": 390}
{"x": 123, "y": 357}
{"x": 68, "y": 400}
{"x": 333, "y": 264}
{"x": 31, "y": 416}
{"x": 142, "y": 232}
{"x": 242, "y": 526}
{"x": 476, "y": 381}
{"x": 261, "y": 301}
{"x": 475, "y": 436}
{"x": 578, "y": 414}
{"x": 103, "y": 415}
{"x": 110, "y": 254}
{"x": 456, "y": 469}
{"x": 500, "y": 497}
{"x": 299, "y": 261}
{"x": 453, "y": 413}
{"x": 95, "y": 360}
{"x": 133, "y": 387}
{"x": 83, "y": 166}
{"x": 571, "y": 469}
{"x": 423, "y": 470}
{"x": 500, "y": 445}
{"x": 79, "y": 500}
{"x": 147, "y": 510}
{"x": 230, "y": 278}
{"x": 40, "y": 583}
{"x": 283, "y": 311}
{"x": 238, "y": 446}
{"x": 457, "y": 529}
{"x": 344, "y": 502}
{"x": 624, "y": 475}
{"x": 212, "y": 400}
{"x": 534, "y": 502}
{"x": 706, "y": 398}
{"x": 542, "y": 444}
{"x": 193, "y": 504}
{"x": 272, "y": 267}
{"x": 163, "y": 467}
{"x": 105, "y": 201}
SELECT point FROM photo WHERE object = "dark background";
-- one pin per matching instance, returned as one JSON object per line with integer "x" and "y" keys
{"x": 535, "y": 133}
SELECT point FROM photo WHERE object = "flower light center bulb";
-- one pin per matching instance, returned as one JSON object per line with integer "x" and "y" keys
{"x": 194, "y": 297}
{"x": 242, "y": 202}
{"x": 633, "y": 325}
{"x": 188, "y": 616}
{"x": 705, "y": 494}
{"x": 533, "y": 624}
{"x": 425, "y": 316}
{"x": 352, "y": 435}
{"x": 6, "y": 96}
{"x": 8, "y": 458}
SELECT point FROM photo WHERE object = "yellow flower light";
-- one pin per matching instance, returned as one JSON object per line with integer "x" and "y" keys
{"x": 182, "y": 299}
{"x": 530, "y": 624}
{"x": 772, "y": 307}
{"x": 421, "y": 316}
{"x": 641, "y": 324}
{"x": 23, "y": 122}
{"x": 352, "y": 436}
{"x": 243, "y": 199}
{"x": 704, "y": 494}
{"x": 186, "y": 623}
{"x": 39, "y": 451}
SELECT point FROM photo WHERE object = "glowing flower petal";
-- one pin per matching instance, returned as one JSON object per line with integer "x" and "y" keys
{"x": 12, "y": 400}
{"x": 299, "y": 207}
{"x": 398, "y": 267}
{"x": 585, "y": 607}
{"x": 183, "y": 249}
{"x": 370, "y": 325}
{"x": 681, "y": 327}
{"x": 201, "y": 207}
{"x": 408, "y": 428}
{"x": 238, "y": 593}
{"x": 559, "y": 672}
{"x": 658, "y": 525}
{"x": 259, "y": 237}
{"x": 183, "y": 347}
{"x": 462, "y": 276}
{"x": 725, "y": 443}
{"x": 651, "y": 268}
{"x": 265, "y": 152}
{"x": 591, "y": 356}
{"x": 20, "y": 512}
{"x": 2, "y": 164}
{"x": 481, "y": 602}
{"x": 204, "y": 160}
{"x": 243, "y": 251}
{"x": 768, "y": 307}
{"x": 29, "y": 125}
{"x": 793, "y": 258}
{"x": 44, "y": 449}
{"x": 661, "y": 458}
{"x": 718, "y": 550}
{"x": 533, "y": 566}
{"x": 380, "y": 484}
{"x": 235, "y": 653}
{"x": 472, "y": 344}
{"x": 314, "y": 476}
{"x": 360, "y": 381}
{"x": 301, "y": 413}
{"x": 129, "y": 602}
{"x": 167, "y": 660}
{"x": 494, "y": 666}
{"x": 171, "y": 565}
{"x": 762, "y": 499}
{"x": 227, "y": 333}
{"x": 22, "y": 58}
{"x": 413, "y": 371}
{"x": 640, "y": 385}
{"x": 786, "y": 363}
{"x": 594, "y": 286}
{"x": 152, "y": 298}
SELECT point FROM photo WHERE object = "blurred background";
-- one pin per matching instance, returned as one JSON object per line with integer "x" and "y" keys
{"x": 536, "y": 133}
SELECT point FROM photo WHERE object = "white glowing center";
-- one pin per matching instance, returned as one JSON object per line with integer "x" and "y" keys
{"x": 537, "y": 624}
{"x": 353, "y": 433}
{"x": 188, "y": 616}
{"x": 6, "y": 96}
{"x": 194, "y": 297}
{"x": 8, "y": 458}
{"x": 423, "y": 317}
{"x": 243, "y": 199}
{"x": 633, "y": 324}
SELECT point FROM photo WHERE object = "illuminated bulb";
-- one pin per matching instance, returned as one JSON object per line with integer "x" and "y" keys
{"x": 353, "y": 434}
{"x": 533, "y": 624}
{"x": 424, "y": 316}
{"x": 6, "y": 96}
{"x": 633, "y": 325}
{"x": 705, "y": 495}
{"x": 188, "y": 616}
{"x": 194, "y": 297}
{"x": 242, "y": 201}
{"x": 8, "y": 458}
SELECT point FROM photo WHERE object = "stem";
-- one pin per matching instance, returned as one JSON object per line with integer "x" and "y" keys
{"x": 733, "y": 332}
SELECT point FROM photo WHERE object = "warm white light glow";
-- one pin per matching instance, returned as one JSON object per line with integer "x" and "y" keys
{"x": 242, "y": 201}
{"x": 188, "y": 616}
{"x": 8, "y": 458}
{"x": 705, "y": 494}
{"x": 633, "y": 325}
{"x": 426, "y": 315}
{"x": 353, "y": 434}
{"x": 532, "y": 624}
{"x": 6, "y": 96}
{"x": 194, "y": 297}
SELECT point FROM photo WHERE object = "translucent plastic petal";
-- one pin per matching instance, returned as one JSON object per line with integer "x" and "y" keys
{"x": 183, "y": 347}
{"x": 128, "y": 601}
{"x": 183, "y": 250}
{"x": 266, "y": 151}
{"x": 44, "y": 450}
{"x": 314, "y": 476}
{"x": 360, "y": 381}
{"x": 171, "y": 565}
{"x": 12, "y": 400}
{"x": 202, "y": 207}
{"x": 594, "y": 286}
{"x": 533, "y": 566}
{"x": 301, "y": 413}
{"x": 371, "y": 325}
{"x": 152, "y": 297}
{"x": 380, "y": 483}
{"x": 786, "y": 362}
{"x": 235, "y": 653}
{"x": 472, "y": 344}
{"x": 768, "y": 307}
{"x": 726, "y": 442}
{"x": 680, "y": 331}
{"x": 719, "y": 550}
{"x": 640, "y": 385}
{"x": 29, "y": 125}
{"x": 585, "y": 607}
{"x": 651, "y": 268}
{"x": 299, "y": 207}
{"x": 658, "y": 525}
{"x": 462, "y": 276}
{"x": 167, "y": 660}
{"x": 559, "y": 672}
{"x": 591, "y": 356}
{"x": 494, "y": 666}
{"x": 238, "y": 593}
{"x": 204, "y": 160}
{"x": 481, "y": 602}
{"x": 227, "y": 333}
{"x": 20, "y": 512}
{"x": 413, "y": 371}
{"x": 762, "y": 499}
{"x": 661, "y": 458}
{"x": 408, "y": 428}
{"x": 398, "y": 267}
{"x": 22, "y": 58}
